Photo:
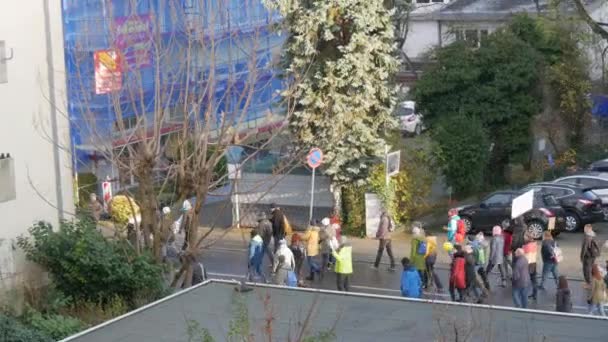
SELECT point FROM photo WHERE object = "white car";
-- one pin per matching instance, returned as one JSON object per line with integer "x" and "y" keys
{"x": 409, "y": 121}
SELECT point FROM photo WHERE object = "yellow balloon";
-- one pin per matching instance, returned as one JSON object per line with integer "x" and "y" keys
{"x": 447, "y": 246}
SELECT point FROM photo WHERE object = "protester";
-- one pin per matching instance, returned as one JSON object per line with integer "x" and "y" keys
{"x": 597, "y": 296}
{"x": 185, "y": 222}
{"x": 473, "y": 286}
{"x": 280, "y": 270}
{"x": 531, "y": 253}
{"x": 496, "y": 258}
{"x": 312, "y": 250}
{"x": 256, "y": 256}
{"x": 547, "y": 253}
{"x": 167, "y": 237}
{"x": 430, "y": 258}
{"x": 458, "y": 274}
{"x": 344, "y": 264}
{"x": 418, "y": 249}
{"x": 278, "y": 225}
{"x": 289, "y": 260}
{"x": 336, "y": 222}
{"x": 95, "y": 207}
{"x": 265, "y": 231}
{"x": 384, "y": 240}
{"x": 589, "y": 252}
{"x": 521, "y": 279}
{"x": 519, "y": 229}
{"x": 411, "y": 283}
{"x": 480, "y": 251}
{"x": 452, "y": 226}
{"x": 328, "y": 241}
{"x": 507, "y": 234}
{"x": 563, "y": 296}
{"x": 299, "y": 253}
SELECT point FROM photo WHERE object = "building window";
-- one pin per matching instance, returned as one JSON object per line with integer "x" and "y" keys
{"x": 472, "y": 36}
{"x": 129, "y": 123}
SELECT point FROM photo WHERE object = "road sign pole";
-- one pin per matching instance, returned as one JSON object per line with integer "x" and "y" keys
{"x": 386, "y": 177}
{"x": 312, "y": 194}
{"x": 237, "y": 207}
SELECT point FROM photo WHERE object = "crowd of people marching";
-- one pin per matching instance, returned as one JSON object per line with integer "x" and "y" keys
{"x": 510, "y": 250}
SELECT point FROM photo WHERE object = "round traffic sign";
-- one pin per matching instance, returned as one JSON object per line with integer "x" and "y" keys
{"x": 314, "y": 158}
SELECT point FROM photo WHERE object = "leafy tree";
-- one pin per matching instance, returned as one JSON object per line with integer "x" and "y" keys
{"x": 340, "y": 53}
{"x": 497, "y": 84}
{"x": 462, "y": 149}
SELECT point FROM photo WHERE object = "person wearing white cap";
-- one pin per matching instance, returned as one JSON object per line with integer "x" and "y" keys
{"x": 327, "y": 237}
{"x": 186, "y": 222}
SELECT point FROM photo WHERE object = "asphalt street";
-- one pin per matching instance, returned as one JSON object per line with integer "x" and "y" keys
{"x": 227, "y": 260}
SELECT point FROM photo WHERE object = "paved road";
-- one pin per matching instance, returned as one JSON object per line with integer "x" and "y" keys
{"x": 226, "y": 260}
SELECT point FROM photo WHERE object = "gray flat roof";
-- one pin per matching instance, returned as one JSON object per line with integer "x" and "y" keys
{"x": 356, "y": 317}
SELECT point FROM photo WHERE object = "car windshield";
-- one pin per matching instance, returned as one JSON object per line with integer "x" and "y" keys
{"x": 402, "y": 111}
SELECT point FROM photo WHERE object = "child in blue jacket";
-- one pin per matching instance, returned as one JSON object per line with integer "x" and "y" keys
{"x": 411, "y": 284}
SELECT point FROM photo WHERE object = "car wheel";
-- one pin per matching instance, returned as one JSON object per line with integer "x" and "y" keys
{"x": 418, "y": 129}
{"x": 535, "y": 229}
{"x": 572, "y": 222}
{"x": 468, "y": 224}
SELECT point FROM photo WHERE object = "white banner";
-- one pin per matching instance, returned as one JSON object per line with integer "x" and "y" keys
{"x": 522, "y": 204}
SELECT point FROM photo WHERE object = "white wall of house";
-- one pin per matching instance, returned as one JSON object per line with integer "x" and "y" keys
{"x": 423, "y": 35}
{"x": 29, "y": 83}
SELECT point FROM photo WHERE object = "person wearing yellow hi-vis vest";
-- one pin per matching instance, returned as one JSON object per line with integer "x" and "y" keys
{"x": 344, "y": 263}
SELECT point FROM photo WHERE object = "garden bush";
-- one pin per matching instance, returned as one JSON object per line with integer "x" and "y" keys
{"x": 54, "y": 326}
{"x": 12, "y": 330}
{"x": 86, "y": 266}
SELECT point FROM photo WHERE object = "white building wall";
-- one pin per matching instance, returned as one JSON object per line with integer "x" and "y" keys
{"x": 34, "y": 127}
{"x": 423, "y": 35}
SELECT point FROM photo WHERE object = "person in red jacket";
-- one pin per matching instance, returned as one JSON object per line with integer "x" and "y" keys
{"x": 507, "y": 233}
{"x": 457, "y": 274}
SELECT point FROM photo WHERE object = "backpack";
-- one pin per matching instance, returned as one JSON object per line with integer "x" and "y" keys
{"x": 292, "y": 279}
{"x": 421, "y": 249}
{"x": 457, "y": 278}
{"x": 480, "y": 255}
{"x": 461, "y": 227}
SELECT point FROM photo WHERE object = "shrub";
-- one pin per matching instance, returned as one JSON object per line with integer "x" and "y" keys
{"x": 54, "y": 326}
{"x": 122, "y": 208}
{"x": 83, "y": 264}
{"x": 12, "y": 330}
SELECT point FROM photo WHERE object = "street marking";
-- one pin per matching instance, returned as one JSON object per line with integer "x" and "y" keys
{"x": 230, "y": 275}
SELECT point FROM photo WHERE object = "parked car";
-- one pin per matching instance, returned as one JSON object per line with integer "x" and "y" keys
{"x": 582, "y": 206}
{"x": 496, "y": 209}
{"x": 597, "y": 182}
{"x": 599, "y": 166}
{"x": 410, "y": 122}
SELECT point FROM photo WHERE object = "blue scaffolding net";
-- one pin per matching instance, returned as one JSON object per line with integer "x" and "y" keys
{"x": 125, "y": 58}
